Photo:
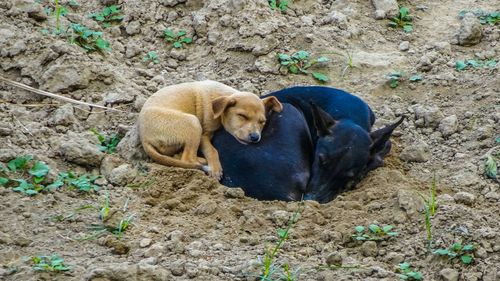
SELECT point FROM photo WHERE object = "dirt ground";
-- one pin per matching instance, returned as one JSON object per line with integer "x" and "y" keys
{"x": 187, "y": 226}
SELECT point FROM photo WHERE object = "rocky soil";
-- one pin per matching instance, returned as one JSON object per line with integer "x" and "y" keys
{"x": 187, "y": 226}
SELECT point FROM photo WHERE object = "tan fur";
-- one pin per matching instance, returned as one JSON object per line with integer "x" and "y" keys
{"x": 183, "y": 117}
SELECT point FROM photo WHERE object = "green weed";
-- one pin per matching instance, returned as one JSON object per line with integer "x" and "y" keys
{"x": 83, "y": 182}
{"x": 52, "y": 263}
{"x": 430, "y": 207}
{"x": 463, "y": 65}
{"x": 108, "y": 143}
{"x": 403, "y": 20}
{"x": 282, "y": 5}
{"x": 374, "y": 233}
{"x": 457, "y": 250}
{"x": 268, "y": 265}
{"x": 407, "y": 274}
{"x": 24, "y": 175}
{"x": 491, "y": 18}
{"x": 177, "y": 39}
{"x": 490, "y": 167}
{"x": 88, "y": 39}
{"x": 104, "y": 211}
{"x": 108, "y": 16}
{"x": 396, "y": 77}
{"x": 116, "y": 230}
{"x": 300, "y": 62}
{"x": 151, "y": 56}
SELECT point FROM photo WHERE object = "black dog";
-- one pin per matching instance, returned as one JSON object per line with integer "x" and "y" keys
{"x": 277, "y": 167}
{"x": 343, "y": 148}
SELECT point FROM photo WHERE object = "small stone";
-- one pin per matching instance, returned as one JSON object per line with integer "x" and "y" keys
{"x": 492, "y": 196}
{"x": 416, "y": 152}
{"x": 118, "y": 247}
{"x": 81, "y": 152}
{"x": 449, "y": 274}
{"x": 390, "y": 7}
{"x": 156, "y": 250}
{"x": 448, "y": 125}
{"x": 122, "y": 175}
{"x": 404, "y": 46}
{"x": 177, "y": 268}
{"x": 470, "y": 32}
{"x": 145, "y": 242}
{"x": 379, "y": 14}
{"x": 134, "y": 27}
{"x": 334, "y": 259}
{"x": 234, "y": 193}
{"x": 481, "y": 253}
{"x": 63, "y": 116}
{"x": 464, "y": 198}
{"x": 206, "y": 208}
{"x": 395, "y": 258}
{"x": 369, "y": 249}
{"x": 409, "y": 201}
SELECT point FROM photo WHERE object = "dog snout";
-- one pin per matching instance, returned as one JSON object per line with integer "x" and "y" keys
{"x": 254, "y": 137}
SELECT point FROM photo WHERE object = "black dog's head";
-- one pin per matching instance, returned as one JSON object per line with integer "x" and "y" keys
{"x": 344, "y": 153}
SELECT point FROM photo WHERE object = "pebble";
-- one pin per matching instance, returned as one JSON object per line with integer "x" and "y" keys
{"x": 464, "y": 198}
{"x": 449, "y": 274}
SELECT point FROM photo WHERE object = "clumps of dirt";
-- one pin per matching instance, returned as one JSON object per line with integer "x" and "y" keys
{"x": 186, "y": 226}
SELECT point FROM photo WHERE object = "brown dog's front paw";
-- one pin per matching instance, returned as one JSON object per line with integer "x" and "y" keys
{"x": 214, "y": 173}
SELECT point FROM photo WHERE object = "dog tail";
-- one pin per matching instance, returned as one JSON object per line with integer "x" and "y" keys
{"x": 168, "y": 160}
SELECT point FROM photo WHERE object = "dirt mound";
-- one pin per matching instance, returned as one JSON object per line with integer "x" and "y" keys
{"x": 146, "y": 222}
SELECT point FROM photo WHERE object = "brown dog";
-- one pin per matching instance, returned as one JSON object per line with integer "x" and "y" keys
{"x": 181, "y": 117}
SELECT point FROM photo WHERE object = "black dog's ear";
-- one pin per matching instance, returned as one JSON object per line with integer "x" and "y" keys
{"x": 380, "y": 138}
{"x": 322, "y": 120}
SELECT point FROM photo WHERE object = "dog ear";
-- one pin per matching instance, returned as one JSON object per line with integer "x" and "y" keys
{"x": 220, "y": 104}
{"x": 381, "y": 136}
{"x": 272, "y": 103}
{"x": 322, "y": 120}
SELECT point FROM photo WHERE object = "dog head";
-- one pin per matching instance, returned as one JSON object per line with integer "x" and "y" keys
{"x": 344, "y": 153}
{"x": 243, "y": 114}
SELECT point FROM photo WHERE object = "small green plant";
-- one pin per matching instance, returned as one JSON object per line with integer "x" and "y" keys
{"x": 116, "y": 230}
{"x": 268, "y": 265}
{"x": 84, "y": 182}
{"x": 108, "y": 143}
{"x": 108, "y": 16}
{"x": 396, "y": 77}
{"x": 490, "y": 167}
{"x": 282, "y": 5}
{"x": 430, "y": 207}
{"x": 88, "y": 39}
{"x": 463, "y": 65}
{"x": 52, "y": 263}
{"x": 491, "y": 18}
{"x": 151, "y": 56}
{"x": 28, "y": 174}
{"x": 104, "y": 211}
{"x": 300, "y": 62}
{"x": 403, "y": 20}
{"x": 177, "y": 39}
{"x": 374, "y": 233}
{"x": 408, "y": 274}
{"x": 457, "y": 250}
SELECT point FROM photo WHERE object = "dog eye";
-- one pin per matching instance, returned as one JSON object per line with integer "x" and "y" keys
{"x": 242, "y": 116}
{"x": 263, "y": 122}
{"x": 322, "y": 159}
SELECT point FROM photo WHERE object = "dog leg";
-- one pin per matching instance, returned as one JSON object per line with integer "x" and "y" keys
{"x": 163, "y": 133}
{"x": 212, "y": 156}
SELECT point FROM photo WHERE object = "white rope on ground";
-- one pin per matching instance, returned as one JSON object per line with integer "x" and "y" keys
{"x": 54, "y": 96}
